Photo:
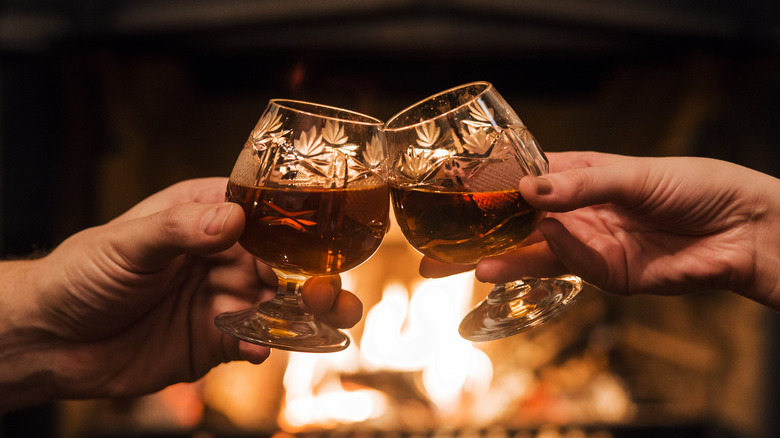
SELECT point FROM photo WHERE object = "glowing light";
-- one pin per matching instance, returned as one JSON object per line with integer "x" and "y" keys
{"x": 390, "y": 341}
{"x": 421, "y": 333}
{"x": 335, "y": 406}
{"x": 406, "y": 332}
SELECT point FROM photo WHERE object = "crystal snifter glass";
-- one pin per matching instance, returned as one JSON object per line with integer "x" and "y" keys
{"x": 311, "y": 180}
{"x": 455, "y": 163}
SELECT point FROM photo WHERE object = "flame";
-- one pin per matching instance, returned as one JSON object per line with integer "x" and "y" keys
{"x": 334, "y": 405}
{"x": 421, "y": 333}
{"x": 390, "y": 341}
{"x": 314, "y": 395}
{"x": 417, "y": 334}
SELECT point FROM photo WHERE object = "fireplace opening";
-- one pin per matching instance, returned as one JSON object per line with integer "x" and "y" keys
{"x": 153, "y": 92}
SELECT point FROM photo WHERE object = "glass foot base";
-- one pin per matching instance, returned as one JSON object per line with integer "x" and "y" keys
{"x": 291, "y": 332}
{"x": 514, "y": 307}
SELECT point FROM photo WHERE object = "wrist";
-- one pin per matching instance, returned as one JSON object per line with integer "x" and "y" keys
{"x": 26, "y": 369}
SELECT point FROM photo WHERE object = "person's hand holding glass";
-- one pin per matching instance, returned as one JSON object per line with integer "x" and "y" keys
{"x": 455, "y": 160}
{"x": 311, "y": 181}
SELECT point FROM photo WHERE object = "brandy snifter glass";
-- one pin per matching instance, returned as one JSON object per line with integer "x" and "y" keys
{"x": 312, "y": 182}
{"x": 455, "y": 163}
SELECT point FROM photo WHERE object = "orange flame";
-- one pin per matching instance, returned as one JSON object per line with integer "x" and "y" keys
{"x": 417, "y": 334}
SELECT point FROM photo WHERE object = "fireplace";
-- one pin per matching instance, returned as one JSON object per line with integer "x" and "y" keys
{"x": 153, "y": 92}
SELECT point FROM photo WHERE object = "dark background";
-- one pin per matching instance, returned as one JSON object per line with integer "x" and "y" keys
{"x": 104, "y": 102}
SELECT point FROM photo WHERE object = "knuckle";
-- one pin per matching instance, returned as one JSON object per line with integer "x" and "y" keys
{"x": 173, "y": 220}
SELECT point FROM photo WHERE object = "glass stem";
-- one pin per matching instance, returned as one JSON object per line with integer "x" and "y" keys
{"x": 286, "y": 303}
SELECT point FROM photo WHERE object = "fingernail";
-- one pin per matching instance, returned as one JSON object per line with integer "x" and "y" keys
{"x": 215, "y": 219}
{"x": 543, "y": 185}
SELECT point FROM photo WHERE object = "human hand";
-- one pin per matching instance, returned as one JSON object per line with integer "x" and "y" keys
{"x": 127, "y": 308}
{"x": 663, "y": 226}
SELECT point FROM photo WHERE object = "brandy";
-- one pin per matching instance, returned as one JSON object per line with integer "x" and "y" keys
{"x": 310, "y": 230}
{"x": 463, "y": 227}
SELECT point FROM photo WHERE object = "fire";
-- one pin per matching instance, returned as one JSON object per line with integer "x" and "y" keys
{"x": 315, "y": 396}
{"x": 334, "y": 405}
{"x": 420, "y": 334}
{"x": 404, "y": 332}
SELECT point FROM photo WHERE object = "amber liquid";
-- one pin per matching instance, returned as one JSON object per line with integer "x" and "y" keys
{"x": 463, "y": 227}
{"x": 312, "y": 230}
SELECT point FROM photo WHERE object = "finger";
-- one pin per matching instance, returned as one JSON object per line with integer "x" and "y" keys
{"x": 201, "y": 190}
{"x": 561, "y": 161}
{"x": 430, "y": 268}
{"x": 323, "y": 297}
{"x": 622, "y": 182}
{"x": 234, "y": 349}
{"x": 588, "y": 261}
{"x": 266, "y": 274}
{"x": 529, "y": 261}
{"x": 150, "y": 243}
{"x": 253, "y": 353}
{"x": 534, "y": 237}
{"x": 346, "y": 311}
{"x": 234, "y": 275}
{"x": 319, "y": 293}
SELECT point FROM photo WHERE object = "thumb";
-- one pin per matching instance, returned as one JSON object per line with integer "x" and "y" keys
{"x": 150, "y": 243}
{"x": 620, "y": 183}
